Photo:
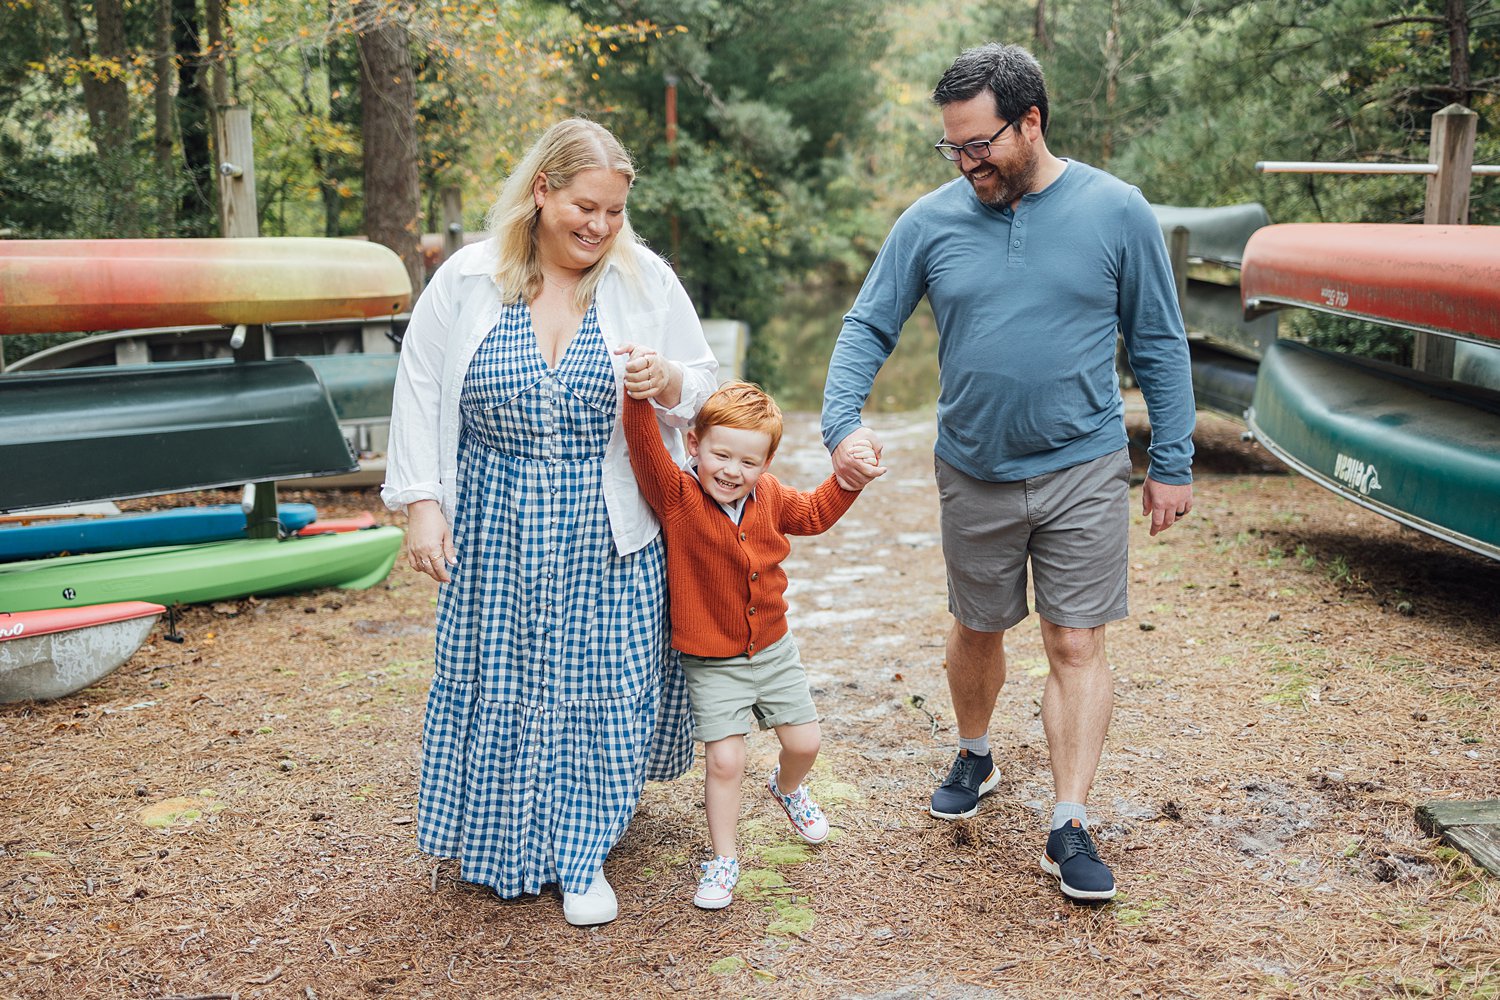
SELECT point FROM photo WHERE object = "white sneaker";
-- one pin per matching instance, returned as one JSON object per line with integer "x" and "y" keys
{"x": 716, "y": 887}
{"x": 806, "y": 816}
{"x": 596, "y": 906}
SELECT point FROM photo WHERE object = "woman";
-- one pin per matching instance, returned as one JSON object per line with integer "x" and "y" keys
{"x": 555, "y": 694}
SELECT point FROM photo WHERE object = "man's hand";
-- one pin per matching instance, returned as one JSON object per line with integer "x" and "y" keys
{"x": 1164, "y": 504}
{"x": 856, "y": 460}
{"x": 429, "y": 543}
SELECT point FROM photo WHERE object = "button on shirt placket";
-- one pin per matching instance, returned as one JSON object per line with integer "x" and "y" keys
{"x": 547, "y": 596}
{"x": 750, "y": 648}
{"x": 1017, "y": 237}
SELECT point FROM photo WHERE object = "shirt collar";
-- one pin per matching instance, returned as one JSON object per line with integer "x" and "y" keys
{"x": 734, "y": 510}
{"x": 486, "y": 260}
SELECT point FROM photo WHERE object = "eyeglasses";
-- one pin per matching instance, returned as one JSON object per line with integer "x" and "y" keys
{"x": 977, "y": 150}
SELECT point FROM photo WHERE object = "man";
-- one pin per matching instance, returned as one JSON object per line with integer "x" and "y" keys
{"x": 1032, "y": 264}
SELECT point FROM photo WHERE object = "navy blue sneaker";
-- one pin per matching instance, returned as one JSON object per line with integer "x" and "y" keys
{"x": 1073, "y": 861}
{"x": 971, "y": 778}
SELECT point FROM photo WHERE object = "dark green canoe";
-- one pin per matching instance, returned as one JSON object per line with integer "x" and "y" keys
{"x": 1419, "y": 450}
{"x": 126, "y": 431}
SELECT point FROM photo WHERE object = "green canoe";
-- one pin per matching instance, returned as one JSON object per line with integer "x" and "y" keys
{"x": 193, "y": 574}
{"x": 1419, "y": 450}
{"x": 137, "y": 430}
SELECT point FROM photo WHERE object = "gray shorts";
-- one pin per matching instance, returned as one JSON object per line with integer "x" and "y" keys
{"x": 1072, "y": 524}
{"x": 726, "y": 692}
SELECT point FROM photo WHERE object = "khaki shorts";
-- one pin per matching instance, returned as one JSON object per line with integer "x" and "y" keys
{"x": 725, "y": 693}
{"x": 1072, "y": 525}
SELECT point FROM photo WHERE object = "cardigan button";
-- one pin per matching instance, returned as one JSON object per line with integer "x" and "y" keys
{"x": 752, "y": 611}
{"x": 743, "y": 536}
{"x": 755, "y": 576}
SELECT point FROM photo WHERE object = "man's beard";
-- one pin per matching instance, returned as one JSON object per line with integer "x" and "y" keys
{"x": 1008, "y": 185}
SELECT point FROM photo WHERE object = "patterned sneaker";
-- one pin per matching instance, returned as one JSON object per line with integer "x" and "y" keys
{"x": 1073, "y": 861}
{"x": 716, "y": 887}
{"x": 807, "y": 818}
{"x": 969, "y": 779}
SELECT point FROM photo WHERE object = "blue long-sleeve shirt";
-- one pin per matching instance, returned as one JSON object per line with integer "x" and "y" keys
{"x": 1028, "y": 304}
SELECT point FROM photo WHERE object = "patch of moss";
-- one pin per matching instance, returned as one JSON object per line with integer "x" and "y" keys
{"x": 784, "y": 854}
{"x": 181, "y": 810}
{"x": 759, "y": 883}
{"x": 792, "y": 916}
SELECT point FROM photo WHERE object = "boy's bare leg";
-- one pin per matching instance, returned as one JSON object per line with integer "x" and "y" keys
{"x": 976, "y": 673}
{"x": 724, "y": 767}
{"x": 799, "y": 748}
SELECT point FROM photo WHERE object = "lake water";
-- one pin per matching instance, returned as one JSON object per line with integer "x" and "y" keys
{"x": 803, "y": 336}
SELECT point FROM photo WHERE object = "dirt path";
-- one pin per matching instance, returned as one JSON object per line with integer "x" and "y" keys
{"x": 1296, "y": 677}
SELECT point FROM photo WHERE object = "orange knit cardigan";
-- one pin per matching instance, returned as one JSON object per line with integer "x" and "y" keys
{"x": 727, "y": 587}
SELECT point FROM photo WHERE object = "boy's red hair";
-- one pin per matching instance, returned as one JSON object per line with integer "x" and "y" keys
{"x": 743, "y": 406}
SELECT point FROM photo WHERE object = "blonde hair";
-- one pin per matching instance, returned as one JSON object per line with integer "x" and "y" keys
{"x": 563, "y": 151}
{"x": 743, "y": 406}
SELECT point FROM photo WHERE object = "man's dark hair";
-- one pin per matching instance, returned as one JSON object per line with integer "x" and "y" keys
{"x": 1010, "y": 73}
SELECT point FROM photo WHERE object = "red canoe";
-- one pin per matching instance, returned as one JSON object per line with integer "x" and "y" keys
{"x": 333, "y": 525}
{"x": 1441, "y": 279}
{"x": 63, "y": 286}
{"x": 47, "y": 654}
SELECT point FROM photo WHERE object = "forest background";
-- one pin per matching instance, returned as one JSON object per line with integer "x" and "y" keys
{"x": 803, "y": 129}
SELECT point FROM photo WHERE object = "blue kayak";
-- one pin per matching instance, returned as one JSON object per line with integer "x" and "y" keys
{"x": 179, "y": 526}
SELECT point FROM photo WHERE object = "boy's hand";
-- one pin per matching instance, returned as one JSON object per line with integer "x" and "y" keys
{"x": 648, "y": 375}
{"x": 856, "y": 460}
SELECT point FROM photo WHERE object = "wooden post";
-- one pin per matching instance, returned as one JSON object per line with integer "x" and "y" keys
{"x": 1452, "y": 152}
{"x": 453, "y": 221}
{"x": 236, "y": 174}
{"x": 1177, "y": 250}
{"x": 237, "y": 218}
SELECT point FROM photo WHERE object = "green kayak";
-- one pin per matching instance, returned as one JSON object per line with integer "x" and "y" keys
{"x": 1420, "y": 450}
{"x": 193, "y": 574}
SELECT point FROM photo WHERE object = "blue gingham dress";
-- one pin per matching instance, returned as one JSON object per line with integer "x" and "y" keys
{"x": 553, "y": 652}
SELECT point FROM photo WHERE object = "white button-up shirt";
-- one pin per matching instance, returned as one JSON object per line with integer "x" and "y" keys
{"x": 458, "y": 309}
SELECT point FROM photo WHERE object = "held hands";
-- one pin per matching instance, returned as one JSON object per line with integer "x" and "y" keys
{"x": 856, "y": 460}
{"x": 1164, "y": 503}
{"x": 429, "y": 544}
{"x": 648, "y": 375}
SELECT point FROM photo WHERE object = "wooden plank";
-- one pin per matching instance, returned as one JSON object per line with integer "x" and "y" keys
{"x": 1482, "y": 843}
{"x": 1435, "y": 816}
{"x": 1471, "y": 827}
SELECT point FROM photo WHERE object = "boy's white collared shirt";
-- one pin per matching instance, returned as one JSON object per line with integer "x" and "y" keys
{"x": 735, "y": 510}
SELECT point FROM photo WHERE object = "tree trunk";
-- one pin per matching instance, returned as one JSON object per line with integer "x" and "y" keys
{"x": 213, "y": 18}
{"x": 1111, "y": 83}
{"x": 195, "y": 209}
{"x": 107, "y": 102}
{"x": 388, "y": 104}
{"x": 1040, "y": 41}
{"x": 166, "y": 167}
{"x": 1458, "y": 51}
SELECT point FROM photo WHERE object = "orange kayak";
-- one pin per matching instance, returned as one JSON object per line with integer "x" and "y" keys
{"x": 65, "y": 286}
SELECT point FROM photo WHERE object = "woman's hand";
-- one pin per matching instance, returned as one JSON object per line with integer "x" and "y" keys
{"x": 429, "y": 544}
{"x": 648, "y": 375}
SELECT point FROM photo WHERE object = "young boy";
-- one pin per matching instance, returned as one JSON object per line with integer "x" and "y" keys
{"x": 726, "y": 521}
